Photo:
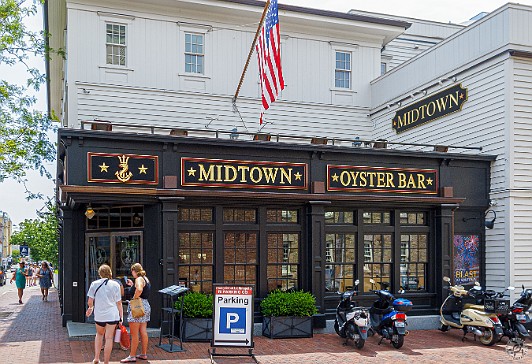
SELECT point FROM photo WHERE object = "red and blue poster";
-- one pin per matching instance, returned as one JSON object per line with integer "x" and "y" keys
{"x": 466, "y": 259}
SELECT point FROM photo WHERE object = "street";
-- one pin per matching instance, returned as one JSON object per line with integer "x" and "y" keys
{"x": 32, "y": 333}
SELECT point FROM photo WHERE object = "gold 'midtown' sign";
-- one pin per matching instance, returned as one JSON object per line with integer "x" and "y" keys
{"x": 123, "y": 168}
{"x": 380, "y": 179}
{"x": 430, "y": 108}
{"x": 243, "y": 174}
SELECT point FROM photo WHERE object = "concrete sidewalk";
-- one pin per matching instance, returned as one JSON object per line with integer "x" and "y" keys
{"x": 32, "y": 333}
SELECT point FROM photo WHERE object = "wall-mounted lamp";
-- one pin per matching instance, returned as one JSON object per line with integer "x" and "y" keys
{"x": 136, "y": 219}
{"x": 490, "y": 223}
{"x": 89, "y": 212}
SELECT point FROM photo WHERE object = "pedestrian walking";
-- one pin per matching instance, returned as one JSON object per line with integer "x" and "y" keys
{"x": 142, "y": 287}
{"x": 35, "y": 271}
{"x": 29, "y": 274}
{"x": 105, "y": 301}
{"x": 19, "y": 277}
{"x": 46, "y": 279}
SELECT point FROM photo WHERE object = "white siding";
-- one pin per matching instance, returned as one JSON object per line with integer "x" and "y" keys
{"x": 521, "y": 188}
{"x": 173, "y": 109}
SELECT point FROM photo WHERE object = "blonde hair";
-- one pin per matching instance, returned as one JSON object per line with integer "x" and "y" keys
{"x": 105, "y": 271}
{"x": 138, "y": 268}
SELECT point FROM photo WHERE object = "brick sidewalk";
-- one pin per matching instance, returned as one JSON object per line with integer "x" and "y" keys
{"x": 32, "y": 333}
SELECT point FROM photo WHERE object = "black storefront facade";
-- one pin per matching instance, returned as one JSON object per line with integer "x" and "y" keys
{"x": 199, "y": 211}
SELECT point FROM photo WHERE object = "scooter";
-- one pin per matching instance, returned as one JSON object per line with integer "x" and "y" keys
{"x": 351, "y": 322}
{"x": 515, "y": 320}
{"x": 388, "y": 316}
{"x": 469, "y": 317}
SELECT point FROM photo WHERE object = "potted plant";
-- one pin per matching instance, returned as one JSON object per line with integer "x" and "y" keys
{"x": 197, "y": 316}
{"x": 288, "y": 314}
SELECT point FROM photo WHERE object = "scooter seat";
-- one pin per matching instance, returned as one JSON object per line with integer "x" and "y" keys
{"x": 474, "y": 307}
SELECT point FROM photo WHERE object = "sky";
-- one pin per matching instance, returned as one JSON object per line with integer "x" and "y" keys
{"x": 12, "y": 196}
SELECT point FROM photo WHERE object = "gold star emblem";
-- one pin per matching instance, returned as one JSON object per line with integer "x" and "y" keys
{"x": 103, "y": 167}
{"x": 298, "y": 176}
{"x": 142, "y": 169}
{"x": 192, "y": 172}
{"x": 335, "y": 177}
{"x": 461, "y": 96}
{"x": 429, "y": 181}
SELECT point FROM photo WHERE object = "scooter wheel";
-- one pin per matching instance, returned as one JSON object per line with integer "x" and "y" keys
{"x": 444, "y": 328}
{"x": 488, "y": 338}
{"x": 399, "y": 342}
{"x": 360, "y": 343}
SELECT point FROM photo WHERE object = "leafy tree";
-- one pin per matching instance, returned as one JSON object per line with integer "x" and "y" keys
{"x": 15, "y": 255}
{"x": 24, "y": 142}
{"x": 40, "y": 235}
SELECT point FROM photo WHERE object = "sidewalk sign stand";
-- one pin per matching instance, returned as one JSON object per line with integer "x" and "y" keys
{"x": 232, "y": 319}
{"x": 168, "y": 311}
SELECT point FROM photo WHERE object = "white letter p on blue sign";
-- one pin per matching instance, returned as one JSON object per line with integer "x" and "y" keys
{"x": 231, "y": 319}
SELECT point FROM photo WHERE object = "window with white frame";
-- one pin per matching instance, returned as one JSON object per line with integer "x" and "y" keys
{"x": 342, "y": 73}
{"x": 115, "y": 41}
{"x": 194, "y": 53}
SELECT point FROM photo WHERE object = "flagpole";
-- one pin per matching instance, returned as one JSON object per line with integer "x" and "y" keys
{"x": 251, "y": 51}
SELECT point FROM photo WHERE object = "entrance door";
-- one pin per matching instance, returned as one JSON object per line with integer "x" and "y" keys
{"x": 118, "y": 250}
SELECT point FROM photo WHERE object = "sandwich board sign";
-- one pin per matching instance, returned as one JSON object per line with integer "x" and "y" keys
{"x": 233, "y": 316}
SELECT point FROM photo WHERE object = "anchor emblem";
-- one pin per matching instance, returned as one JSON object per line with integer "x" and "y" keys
{"x": 123, "y": 175}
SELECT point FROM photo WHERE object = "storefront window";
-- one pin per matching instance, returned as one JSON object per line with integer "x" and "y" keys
{"x": 194, "y": 215}
{"x": 196, "y": 251}
{"x": 283, "y": 261}
{"x": 376, "y": 217}
{"x": 413, "y": 218}
{"x": 240, "y": 215}
{"x": 377, "y": 261}
{"x": 282, "y": 216}
{"x": 240, "y": 258}
{"x": 119, "y": 217}
{"x": 340, "y": 262}
{"x": 414, "y": 262}
{"x": 339, "y": 217}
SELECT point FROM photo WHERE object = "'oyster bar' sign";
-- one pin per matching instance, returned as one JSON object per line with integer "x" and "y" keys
{"x": 380, "y": 179}
{"x": 429, "y": 109}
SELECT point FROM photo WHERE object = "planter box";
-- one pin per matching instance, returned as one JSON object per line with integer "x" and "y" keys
{"x": 287, "y": 327}
{"x": 195, "y": 329}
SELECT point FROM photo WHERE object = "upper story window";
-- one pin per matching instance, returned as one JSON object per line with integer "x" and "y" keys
{"x": 342, "y": 73}
{"x": 194, "y": 53}
{"x": 115, "y": 42}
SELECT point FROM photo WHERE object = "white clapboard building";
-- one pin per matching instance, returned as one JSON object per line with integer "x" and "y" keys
{"x": 165, "y": 67}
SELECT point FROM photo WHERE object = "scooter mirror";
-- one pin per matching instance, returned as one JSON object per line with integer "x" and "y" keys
{"x": 446, "y": 279}
{"x": 477, "y": 284}
{"x": 357, "y": 282}
{"x": 371, "y": 281}
{"x": 511, "y": 288}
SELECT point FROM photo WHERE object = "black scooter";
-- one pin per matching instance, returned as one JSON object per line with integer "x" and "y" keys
{"x": 516, "y": 322}
{"x": 351, "y": 322}
{"x": 388, "y": 316}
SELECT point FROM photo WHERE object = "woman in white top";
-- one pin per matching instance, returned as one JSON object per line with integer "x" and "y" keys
{"x": 105, "y": 301}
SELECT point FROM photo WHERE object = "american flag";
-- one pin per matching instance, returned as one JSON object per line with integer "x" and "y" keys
{"x": 269, "y": 55}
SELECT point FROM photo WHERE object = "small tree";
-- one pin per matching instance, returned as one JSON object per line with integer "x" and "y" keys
{"x": 15, "y": 254}
{"x": 40, "y": 235}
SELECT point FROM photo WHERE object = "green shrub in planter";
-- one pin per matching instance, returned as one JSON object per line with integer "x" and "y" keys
{"x": 196, "y": 305}
{"x": 296, "y": 303}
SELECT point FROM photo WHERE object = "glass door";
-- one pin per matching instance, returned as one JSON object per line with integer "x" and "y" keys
{"x": 119, "y": 250}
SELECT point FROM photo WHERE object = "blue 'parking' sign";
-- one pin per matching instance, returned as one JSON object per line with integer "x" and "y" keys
{"x": 233, "y": 315}
{"x": 232, "y": 320}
